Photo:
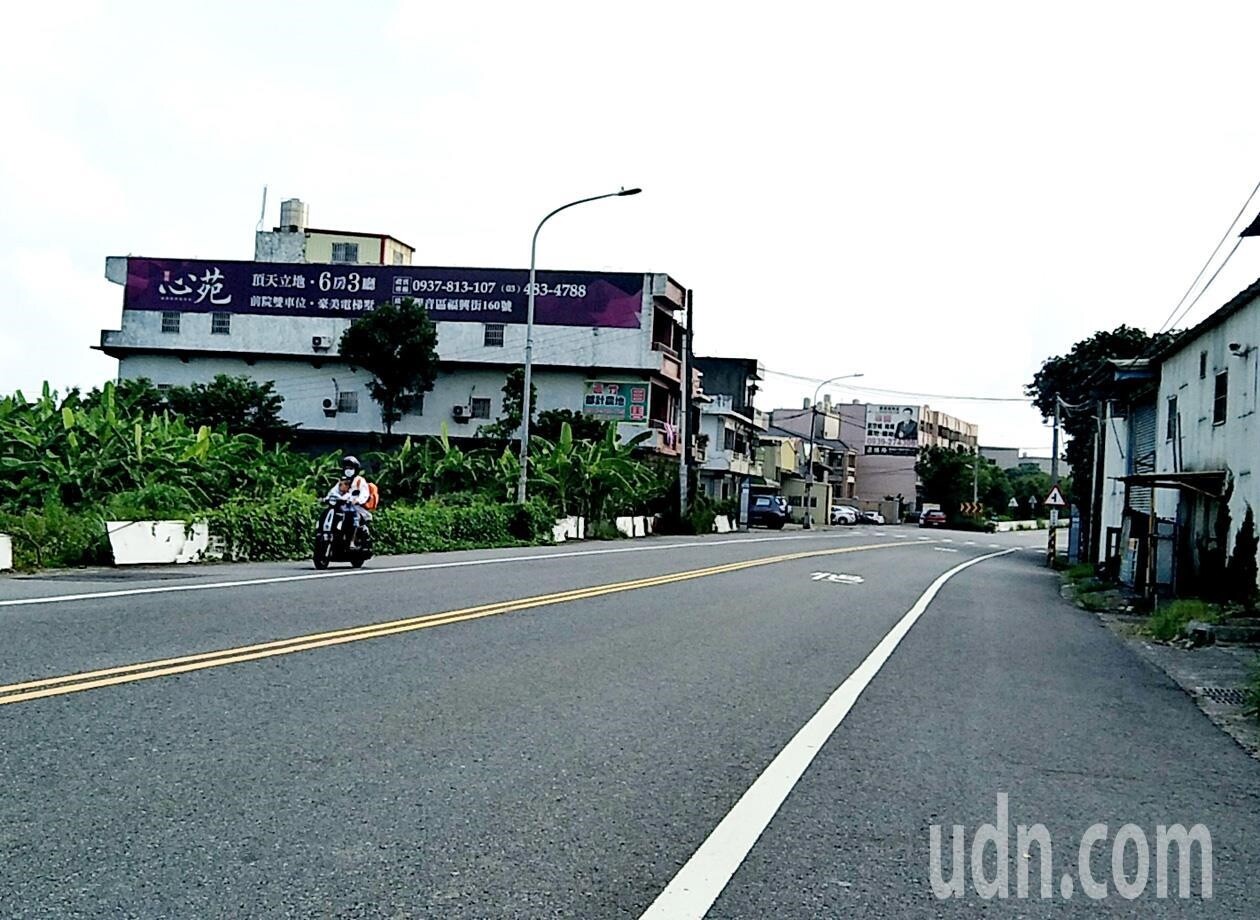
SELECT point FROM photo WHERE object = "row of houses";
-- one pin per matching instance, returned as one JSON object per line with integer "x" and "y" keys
{"x": 1176, "y": 472}
{"x": 611, "y": 345}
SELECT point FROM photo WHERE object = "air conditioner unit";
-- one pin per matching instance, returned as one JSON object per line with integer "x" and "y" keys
{"x": 321, "y": 342}
{"x": 460, "y": 413}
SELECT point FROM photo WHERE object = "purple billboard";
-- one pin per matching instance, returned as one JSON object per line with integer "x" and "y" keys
{"x": 486, "y": 295}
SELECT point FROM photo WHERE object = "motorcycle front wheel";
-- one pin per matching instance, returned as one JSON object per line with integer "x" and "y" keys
{"x": 323, "y": 553}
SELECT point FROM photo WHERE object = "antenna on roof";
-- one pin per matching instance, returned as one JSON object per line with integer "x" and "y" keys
{"x": 262, "y": 215}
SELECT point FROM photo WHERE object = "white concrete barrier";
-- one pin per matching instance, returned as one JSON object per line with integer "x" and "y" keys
{"x": 722, "y": 524}
{"x": 569, "y": 528}
{"x": 1007, "y": 526}
{"x": 157, "y": 542}
{"x": 625, "y": 526}
{"x": 6, "y": 552}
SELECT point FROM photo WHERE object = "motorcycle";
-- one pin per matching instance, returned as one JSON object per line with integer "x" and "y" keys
{"x": 335, "y": 537}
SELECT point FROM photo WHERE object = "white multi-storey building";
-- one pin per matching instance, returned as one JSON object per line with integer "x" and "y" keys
{"x": 607, "y": 344}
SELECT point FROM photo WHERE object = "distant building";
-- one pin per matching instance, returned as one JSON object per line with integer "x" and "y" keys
{"x": 1012, "y": 458}
{"x": 606, "y": 344}
{"x": 730, "y": 425}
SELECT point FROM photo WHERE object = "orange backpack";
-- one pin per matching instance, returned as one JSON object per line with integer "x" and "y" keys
{"x": 374, "y": 497}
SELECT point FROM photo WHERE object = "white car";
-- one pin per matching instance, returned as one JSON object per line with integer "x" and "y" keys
{"x": 843, "y": 514}
{"x": 872, "y": 517}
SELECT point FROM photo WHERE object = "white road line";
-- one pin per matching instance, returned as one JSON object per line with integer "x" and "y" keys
{"x": 388, "y": 570}
{"x": 691, "y": 892}
{"x": 944, "y": 549}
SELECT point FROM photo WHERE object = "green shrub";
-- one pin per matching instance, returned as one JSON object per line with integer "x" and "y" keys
{"x": 533, "y": 522}
{"x": 1169, "y": 621}
{"x": 1081, "y": 572}
{"x": 282, "y": 528}
{"x": 55, "y": 537}
{"x": 604, "y": 530}
{"x": 154, "y": 502}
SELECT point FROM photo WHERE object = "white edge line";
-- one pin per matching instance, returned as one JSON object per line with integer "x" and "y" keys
{"x": 388, "y": 570}
{"x": 695, "y": 887}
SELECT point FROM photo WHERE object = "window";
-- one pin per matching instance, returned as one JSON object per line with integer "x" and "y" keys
{"x": 417, "y": 405}
{"x": 345, "y": 252}
{"x": 1220, "y": 397}
{"x": 728, "y": 439}
{"x": 1203, "y": 365}
{"x": 348, "y": 401}
{"x": 170, "y": 322}
{"x": 1170, "y": 429}
{"x": 494, "y": 335}
{"x": 220, "y": 323}
{"x": 399, "y": 258}
{"x": 481, "y": 408}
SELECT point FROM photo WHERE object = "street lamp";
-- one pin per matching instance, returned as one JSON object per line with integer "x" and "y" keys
{"x": 813, "y": 424}
{"x": 529, "y": 335}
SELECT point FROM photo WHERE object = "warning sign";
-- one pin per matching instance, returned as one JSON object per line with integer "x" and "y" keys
{"x": 1055, "y": 499}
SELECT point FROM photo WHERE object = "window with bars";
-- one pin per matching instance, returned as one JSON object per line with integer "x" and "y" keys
{"x": 1220, "y": 398}
{"x": 220, "y": 323}
{"x": 170, "y": 322}
{"x": 348, "y": 401}
{"x": 494, "y": 335}
{"x": 345, "y": 252}
{"x": 481, "y": 407}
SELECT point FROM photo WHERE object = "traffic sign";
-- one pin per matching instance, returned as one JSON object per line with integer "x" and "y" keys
{"x": 1055, "y": 499}
{"x": 971, "y": 507}
{"x": 1013, "y": 503}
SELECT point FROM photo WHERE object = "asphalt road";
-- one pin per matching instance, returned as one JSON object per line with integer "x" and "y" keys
{"x": 558, "y": 732}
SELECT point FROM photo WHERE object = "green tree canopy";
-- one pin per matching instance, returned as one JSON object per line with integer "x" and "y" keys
{"x": 397, "y": 345}
{"x": 508, "y": 425}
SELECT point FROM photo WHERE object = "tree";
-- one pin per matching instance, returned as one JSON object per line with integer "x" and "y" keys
{"x": 397, "y": 344}
{"x": 585, "y": 427}
{"x": 508, "y": 425}
{"x": 236, "y": 405}
{"x": 949, "y": 477}
{"x": 1079, "y": 378}
{"x": 1240, "y": 573}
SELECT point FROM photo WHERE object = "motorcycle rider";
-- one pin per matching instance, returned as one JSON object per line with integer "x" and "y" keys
{"x": 352, "y": 489}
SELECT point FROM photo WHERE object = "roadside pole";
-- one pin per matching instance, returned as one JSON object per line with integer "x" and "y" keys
{"x": 1051, "y": 548}
{"x": 975, "y": 476}
{"x": 684, "y": 416}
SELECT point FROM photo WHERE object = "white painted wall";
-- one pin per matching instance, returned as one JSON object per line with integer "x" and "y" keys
{"x": 1233, "y": 445}
{"x": 1114, "y": 464}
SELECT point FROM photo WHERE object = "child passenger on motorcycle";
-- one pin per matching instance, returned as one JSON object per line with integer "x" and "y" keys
{"x": 352, "y": 489}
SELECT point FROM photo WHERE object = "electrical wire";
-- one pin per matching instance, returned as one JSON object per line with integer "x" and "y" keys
{"x": 865, "y": 389}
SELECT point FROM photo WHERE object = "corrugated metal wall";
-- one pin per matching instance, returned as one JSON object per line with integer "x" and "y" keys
{"x": 1142, "y": 422}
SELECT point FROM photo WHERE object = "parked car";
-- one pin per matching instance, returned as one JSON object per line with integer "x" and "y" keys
{"x": 933, "y": 518}
{"x": 843, "y": 514}
{"x": 872, "y": 517}
{"x": 766, "y": 511}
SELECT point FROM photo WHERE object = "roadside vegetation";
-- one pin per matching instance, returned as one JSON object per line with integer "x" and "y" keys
{"x": 219, "y": 452}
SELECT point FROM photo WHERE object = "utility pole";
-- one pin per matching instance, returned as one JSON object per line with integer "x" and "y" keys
{"x": 684, "y": 424}
{"x": 975, "y": 476}
{"x": 1051, "y": 548}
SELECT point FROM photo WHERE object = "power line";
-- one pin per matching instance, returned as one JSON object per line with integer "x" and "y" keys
{"x": 1228, "y": 230}
{"x": 850, "y": 386}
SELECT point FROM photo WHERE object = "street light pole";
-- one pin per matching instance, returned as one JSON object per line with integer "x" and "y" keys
{"x": 526, "y": 402}
{"x": 809, "y": 460}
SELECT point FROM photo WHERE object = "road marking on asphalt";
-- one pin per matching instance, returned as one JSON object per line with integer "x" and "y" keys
{"x": 837, "y": 578}
{"x": 944, "y": 549}
{"x": 387, "y": 570}
{"x": 145, "y": 670}
{"x": 691, "y": 892}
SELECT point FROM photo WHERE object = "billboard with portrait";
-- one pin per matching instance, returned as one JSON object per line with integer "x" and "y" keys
{"x": 892, "y": 430}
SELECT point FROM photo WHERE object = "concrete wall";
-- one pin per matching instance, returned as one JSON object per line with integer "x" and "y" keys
{"x": 305, "y": 387}
{"x": 1115, "y": 463}
{"x": 1204, "y": 445}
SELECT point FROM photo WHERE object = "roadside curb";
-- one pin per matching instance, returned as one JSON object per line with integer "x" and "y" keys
{"x": 1212, "y": 676}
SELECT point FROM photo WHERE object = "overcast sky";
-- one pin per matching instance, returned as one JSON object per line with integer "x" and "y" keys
{"x": 935, "y": 195}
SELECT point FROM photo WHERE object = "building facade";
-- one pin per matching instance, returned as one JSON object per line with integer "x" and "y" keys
{"x": 730, "y": 426}
{"x": 605, "y": 344}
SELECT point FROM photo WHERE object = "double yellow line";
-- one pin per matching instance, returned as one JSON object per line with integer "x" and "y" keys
{"x": 166, "y": 667}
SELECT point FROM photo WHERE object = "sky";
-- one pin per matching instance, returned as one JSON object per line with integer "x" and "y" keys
{"x": 936, "y": 196}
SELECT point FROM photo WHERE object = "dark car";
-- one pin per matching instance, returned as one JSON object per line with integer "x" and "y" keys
{"x": 933, "y": 518}
{"x": 766, "y": 511}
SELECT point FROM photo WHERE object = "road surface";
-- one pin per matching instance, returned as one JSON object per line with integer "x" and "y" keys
{"x": 750, "y": 726}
